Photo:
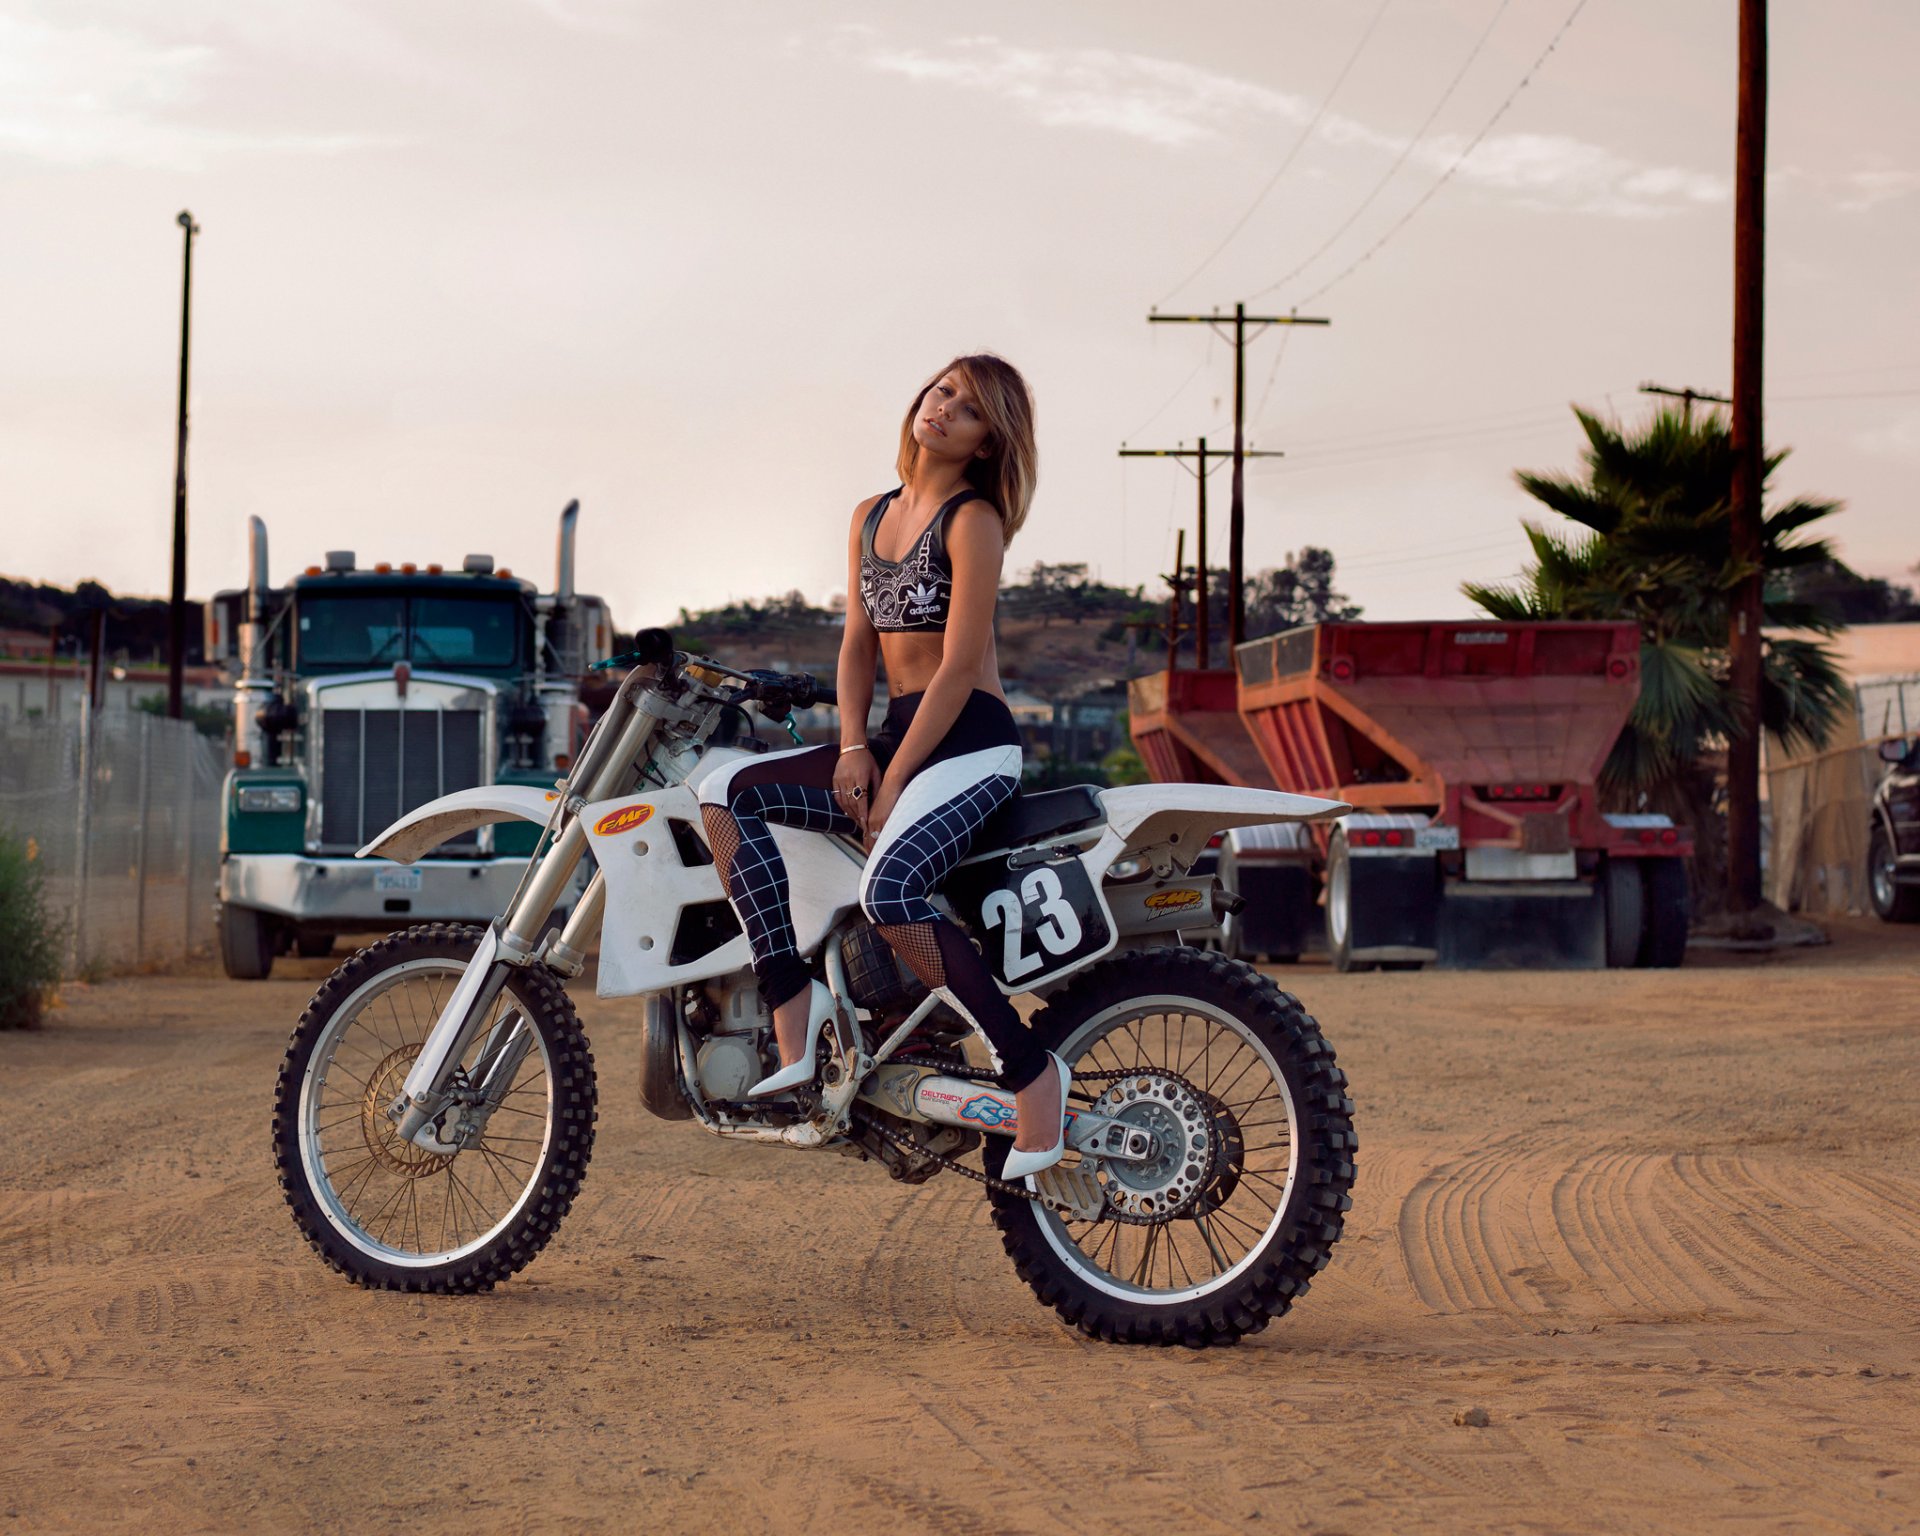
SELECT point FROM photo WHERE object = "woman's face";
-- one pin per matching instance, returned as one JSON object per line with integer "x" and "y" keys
{"x": 948, "y": 424}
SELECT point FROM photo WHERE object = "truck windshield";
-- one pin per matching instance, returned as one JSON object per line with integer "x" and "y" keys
{"x": 378, "y": 629}
{"x": 464, "y": 631}
{"x": 353, "y": 631}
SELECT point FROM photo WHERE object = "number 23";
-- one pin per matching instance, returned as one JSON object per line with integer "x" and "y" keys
{"x": 1058, "y": 928}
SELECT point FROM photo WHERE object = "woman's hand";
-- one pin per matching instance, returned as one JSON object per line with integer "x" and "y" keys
{"x": 881, "y": 807}
{"x": 855, "y": 778}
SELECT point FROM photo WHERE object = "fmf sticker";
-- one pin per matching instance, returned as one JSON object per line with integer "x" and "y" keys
{"x": 1172, "y": 901}
{"x": 622, "y": 820}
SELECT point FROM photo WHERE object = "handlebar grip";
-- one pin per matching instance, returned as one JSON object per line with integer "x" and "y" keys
{"x": 825, "y": 693}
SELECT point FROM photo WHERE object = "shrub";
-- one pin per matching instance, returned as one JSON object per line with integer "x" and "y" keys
{"x": 29, "y": 937}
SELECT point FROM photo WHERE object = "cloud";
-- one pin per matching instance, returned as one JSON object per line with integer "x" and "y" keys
{"x": 1158, "y": 100}
{"x": 1178, "y": 106}
{"x": 1898, "y": 439}
{"x": 1866, "y": 190}
{"x": 81, "y": 95}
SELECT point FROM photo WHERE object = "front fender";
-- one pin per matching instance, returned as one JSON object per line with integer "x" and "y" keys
{"x": 427, "y": 826}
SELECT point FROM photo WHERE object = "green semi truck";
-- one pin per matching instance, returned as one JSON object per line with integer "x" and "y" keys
{"x": 361, "y": 693}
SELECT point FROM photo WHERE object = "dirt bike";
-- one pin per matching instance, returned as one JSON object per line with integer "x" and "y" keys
{"x": 436, "y": 1107}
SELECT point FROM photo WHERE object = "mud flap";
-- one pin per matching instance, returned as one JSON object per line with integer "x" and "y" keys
{"x": 1547, "y": 925}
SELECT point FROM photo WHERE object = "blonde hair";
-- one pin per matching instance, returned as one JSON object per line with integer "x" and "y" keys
{"x": 1007, "y": 474}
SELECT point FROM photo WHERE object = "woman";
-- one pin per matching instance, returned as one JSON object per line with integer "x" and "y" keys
{"x": 924, "y": 563}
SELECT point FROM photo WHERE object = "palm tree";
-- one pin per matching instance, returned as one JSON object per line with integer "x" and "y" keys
{"x": 1654, "y": 545}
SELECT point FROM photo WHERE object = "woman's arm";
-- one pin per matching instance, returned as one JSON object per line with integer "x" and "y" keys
{"x": 859, "y": 645}
{"x": 976, "y": 547}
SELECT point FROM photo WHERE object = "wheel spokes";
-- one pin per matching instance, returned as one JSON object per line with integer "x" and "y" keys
{"x": 1234, "y": 1213}
{"x": 402, "y": 1198}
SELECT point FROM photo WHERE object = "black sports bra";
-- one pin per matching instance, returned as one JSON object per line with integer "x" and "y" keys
{"x": 916, "y": 592}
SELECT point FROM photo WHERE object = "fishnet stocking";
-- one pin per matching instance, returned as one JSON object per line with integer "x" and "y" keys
{"x": 723, "y": 839}
{"x": 918, "y": 944}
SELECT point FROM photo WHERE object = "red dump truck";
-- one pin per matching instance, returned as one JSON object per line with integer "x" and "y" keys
{"x": 1471, "y": 753}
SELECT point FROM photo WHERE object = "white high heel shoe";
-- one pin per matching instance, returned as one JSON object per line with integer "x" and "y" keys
{"x": 802, "y": 1070}
{"x": 1020, "y": 1164}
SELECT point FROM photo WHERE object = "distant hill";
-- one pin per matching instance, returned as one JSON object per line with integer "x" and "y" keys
{"x": 136, "y": 626}
{"x": 1058, "y": 632}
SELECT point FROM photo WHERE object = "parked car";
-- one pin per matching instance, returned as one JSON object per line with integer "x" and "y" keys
{"x": 1893, "y": 838}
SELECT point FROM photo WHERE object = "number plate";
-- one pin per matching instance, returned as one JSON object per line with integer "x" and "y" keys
{"x": 1437, "y": 837}
{"x": 1033, "y": 923}
{"x": 396, "y": 881}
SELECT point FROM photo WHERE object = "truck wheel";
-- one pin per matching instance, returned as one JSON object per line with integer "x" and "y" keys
{"x": 314, "y": 946}
{"x": 1624, "y": 891}
{"x": 1340, "y": 909}
{"x": 1892, "y": 903}
{"x": 246, "y": 943}
{"x": 1663, "y": 940}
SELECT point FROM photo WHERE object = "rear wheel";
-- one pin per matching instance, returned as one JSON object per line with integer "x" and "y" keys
{"x": 1892, "y": 902}
{"x": 1663, "y": 941}
{"x": 1624, "y": 892}
{"x": 1340, "y": 908}
{"x": 246, "y": 942}
{"x": 390, "y": 1214}
{"x": 1217, "y": 1254}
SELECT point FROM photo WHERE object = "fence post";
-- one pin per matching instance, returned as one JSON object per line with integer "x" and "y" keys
{"x": 83, "y": 834}
{"x": 190, "y": 778}
{"x": 140, "y": 841}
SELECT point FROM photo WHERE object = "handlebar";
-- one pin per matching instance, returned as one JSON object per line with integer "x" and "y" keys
{"x": 777, "y": 693}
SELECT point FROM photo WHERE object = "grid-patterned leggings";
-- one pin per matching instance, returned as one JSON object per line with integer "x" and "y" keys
{"x": 928, "y": 832}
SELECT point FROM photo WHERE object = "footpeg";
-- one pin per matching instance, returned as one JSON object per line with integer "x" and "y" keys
{"x": 1072, "y": 1191}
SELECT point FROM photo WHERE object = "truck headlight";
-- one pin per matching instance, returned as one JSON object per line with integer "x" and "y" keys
{"x": 270, "y": 797}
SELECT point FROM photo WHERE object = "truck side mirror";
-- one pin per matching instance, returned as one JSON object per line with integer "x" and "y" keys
{"x": 1896, "y": 751}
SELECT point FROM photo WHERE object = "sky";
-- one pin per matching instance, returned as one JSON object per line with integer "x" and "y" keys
{"x": 464, "y": 260}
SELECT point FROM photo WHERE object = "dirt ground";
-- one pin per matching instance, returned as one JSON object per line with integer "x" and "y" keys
{"x": 1663, "y": 1228}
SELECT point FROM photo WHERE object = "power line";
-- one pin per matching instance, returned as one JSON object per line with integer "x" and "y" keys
{"x": 1299, "y": 144}
{"x": 1273, "y": 372}
{"x": 1400, "y": 160}
{"x": 1447, "y": 175}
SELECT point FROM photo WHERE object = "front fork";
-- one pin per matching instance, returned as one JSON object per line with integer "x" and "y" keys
{"x": 512, "y": 940}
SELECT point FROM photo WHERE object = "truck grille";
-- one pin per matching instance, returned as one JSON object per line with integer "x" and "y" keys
{"x": 378, "y": 764}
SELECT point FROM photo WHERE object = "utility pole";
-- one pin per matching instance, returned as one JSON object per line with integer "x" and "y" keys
{"x": 1743, "y": 640}
{"x": 177, "y": 604}
{"x": 1237, "y": 516}
{"x": 1203, "y": 646}
{"x": 1176, "y": 588}
{"x": 1685, "y": 396}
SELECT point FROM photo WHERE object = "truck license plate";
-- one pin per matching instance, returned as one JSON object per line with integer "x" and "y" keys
{"x": 396, "y": 881}
{"x": 1437, "y": 837}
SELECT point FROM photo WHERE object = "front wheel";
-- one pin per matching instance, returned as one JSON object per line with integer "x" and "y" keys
{"x": 392, "y": 1215}
{"x": 1892, "y": 901}
{"x": 1181, "y": 1256}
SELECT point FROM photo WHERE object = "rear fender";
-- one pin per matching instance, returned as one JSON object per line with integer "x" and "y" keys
{"x": 426, "y": 827}
{"x": 1182, "y": 817}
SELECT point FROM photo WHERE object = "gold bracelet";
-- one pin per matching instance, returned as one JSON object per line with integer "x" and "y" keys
{"x": 862, "y": 747}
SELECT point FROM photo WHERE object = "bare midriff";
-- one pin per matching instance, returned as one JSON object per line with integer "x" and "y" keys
{"x": 911, "y": 659}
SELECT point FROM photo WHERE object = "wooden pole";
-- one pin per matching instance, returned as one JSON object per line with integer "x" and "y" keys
{"x": 1743, "y": 640}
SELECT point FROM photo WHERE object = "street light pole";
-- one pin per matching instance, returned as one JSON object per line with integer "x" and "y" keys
{"x": 177, "y": 604}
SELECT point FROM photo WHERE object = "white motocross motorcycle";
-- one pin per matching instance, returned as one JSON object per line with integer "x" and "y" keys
{"x": 435, "y": 1111}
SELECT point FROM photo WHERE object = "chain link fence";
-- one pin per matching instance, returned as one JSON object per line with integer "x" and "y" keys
{"x": 120, "y": 812}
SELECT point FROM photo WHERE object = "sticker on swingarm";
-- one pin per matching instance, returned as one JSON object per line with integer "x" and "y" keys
{"x": 1034, "y": 922}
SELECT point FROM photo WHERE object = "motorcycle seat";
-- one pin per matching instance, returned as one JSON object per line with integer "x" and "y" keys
{"x": 1031, "y": 818}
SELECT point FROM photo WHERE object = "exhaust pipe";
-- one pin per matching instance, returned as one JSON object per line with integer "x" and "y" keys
{"x": 563, "y": 576}
{"x": 256, "y": 569}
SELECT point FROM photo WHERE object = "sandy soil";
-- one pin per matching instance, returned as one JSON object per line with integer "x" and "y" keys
{"x": 1664, "y": 1229}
